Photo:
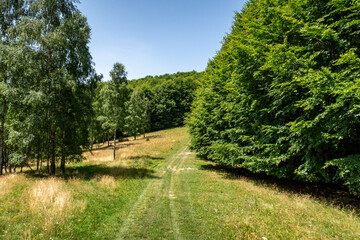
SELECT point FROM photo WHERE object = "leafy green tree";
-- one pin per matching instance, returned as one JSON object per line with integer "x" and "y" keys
{"x": 138, "y": 118}
{"x": 281, "y": 95}
{"x": 47, "y": 97}
{"x": 10, "y": 13}
{"x": 114, "y": 95}
{"x": 95, "y": 130}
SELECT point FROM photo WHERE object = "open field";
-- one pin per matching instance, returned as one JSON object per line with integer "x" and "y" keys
{"x": 158, "y": 189}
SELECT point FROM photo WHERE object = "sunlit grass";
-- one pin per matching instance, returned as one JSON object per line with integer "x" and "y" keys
{"x": 91, "y": 200}
{"x": 7, "y": 182}
{"x": 140, "y": 149}
{"x": 240, "y": 208}
{"x": 107, "y": 182}
{"x": 97, "y": 195}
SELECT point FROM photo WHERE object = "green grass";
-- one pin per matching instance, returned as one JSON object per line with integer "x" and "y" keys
{"x": 239, "y": 208}
{"x": 157, "y": 189}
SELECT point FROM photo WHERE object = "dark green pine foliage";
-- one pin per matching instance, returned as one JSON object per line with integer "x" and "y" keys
{"x": 282, "y": 96}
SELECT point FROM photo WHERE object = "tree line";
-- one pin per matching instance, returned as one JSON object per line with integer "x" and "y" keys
{"x": 131, "y": 108}
{"x": 53, "y": 105}
{"x": 282, "y": 96}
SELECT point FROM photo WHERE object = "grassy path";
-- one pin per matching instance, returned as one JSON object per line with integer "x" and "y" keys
{"x": 194, "y": 199}
{"x": 161, "y": 188}
{"x": 151, "y": 191}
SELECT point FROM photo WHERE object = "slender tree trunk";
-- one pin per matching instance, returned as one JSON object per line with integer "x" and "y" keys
{"x": 62, "y": 166}
{"x": 48, "y": 151}
{"x": 53, "y": 153}
{"x": 52, "y": 115}
{"x": 1, "y": 161}
{"x": 2, "y": 131}
{"x": 134, "y": 137}
{"x": 114, "y": 143}
{"x": 48, "y": 164}
{"x": 108, "y": 137}
{"x": 6, "y": 159}
{"x": 41, "y": 162}
{"x": 37, "y": 164}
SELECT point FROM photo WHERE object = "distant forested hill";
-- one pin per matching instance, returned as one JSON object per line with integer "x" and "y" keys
{"x": 170, "y": 97}
{"x": 282, "y": 96}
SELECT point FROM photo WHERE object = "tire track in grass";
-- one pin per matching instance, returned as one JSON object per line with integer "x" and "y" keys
{"x": 172, "y": 196}
{"x": 182, "y": 207}
{"x": 185, "y": 189}
{"x": 140, "y": 205}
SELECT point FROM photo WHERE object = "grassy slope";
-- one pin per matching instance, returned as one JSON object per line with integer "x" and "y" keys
{"x": 157, "y": 189}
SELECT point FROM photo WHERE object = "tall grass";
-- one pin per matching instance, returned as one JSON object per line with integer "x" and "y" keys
{"x": 52, "y": 201}
{"x": 91, "y": 200}
{"x": 107, "y": 182}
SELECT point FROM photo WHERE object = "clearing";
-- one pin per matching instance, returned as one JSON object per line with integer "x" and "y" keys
{"x": 159, "y": 189}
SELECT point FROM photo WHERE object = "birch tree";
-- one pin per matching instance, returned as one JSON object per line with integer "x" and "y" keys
{"x": 138, "y": 118}
{"x": 113, "y": 97}
{"x": 50, "y": 66}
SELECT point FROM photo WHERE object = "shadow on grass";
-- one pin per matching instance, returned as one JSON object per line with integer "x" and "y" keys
{"x": 120, "y": 144}
{"x": 111, "y": 147}
{"x": 333, "y": 194}
{"x": 146, "y": 157}
{"x": 153, "y": 136}
{"x": 89, "y": 172}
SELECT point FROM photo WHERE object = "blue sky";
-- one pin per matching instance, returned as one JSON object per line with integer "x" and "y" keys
{"x": 154, "y": 37}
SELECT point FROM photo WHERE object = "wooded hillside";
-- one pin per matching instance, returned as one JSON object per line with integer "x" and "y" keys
{"x": 170, "y": 97}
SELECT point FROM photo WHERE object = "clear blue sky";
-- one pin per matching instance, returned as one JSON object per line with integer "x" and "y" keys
{"x": 154, "y": 37}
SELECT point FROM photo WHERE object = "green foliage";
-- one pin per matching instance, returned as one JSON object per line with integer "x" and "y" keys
{"x": 45, "y": 71}
{"x": 282, "y": 95}
{"x": 138, "y": 118}
{"x": 112, "y": 98}
{"x": 170, "y": 97}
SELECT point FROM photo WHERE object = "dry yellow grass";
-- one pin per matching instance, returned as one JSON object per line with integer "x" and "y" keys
{"x": 51, "y": 200}
{"x": 41, "y": 208}
{"x": 7, "y": 182}
{"x": 136, "y": 150}
{"x": 107, "y": 182}
{"x": 26, "y": 235}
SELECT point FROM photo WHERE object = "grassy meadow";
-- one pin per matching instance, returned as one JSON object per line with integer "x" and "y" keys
{"x": 158, "y": 189}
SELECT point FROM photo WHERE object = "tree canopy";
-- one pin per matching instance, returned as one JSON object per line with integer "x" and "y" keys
{"x": 45, "y": 72}
{"x": 170, "y": 97}
{"x": 282, "y": 95}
